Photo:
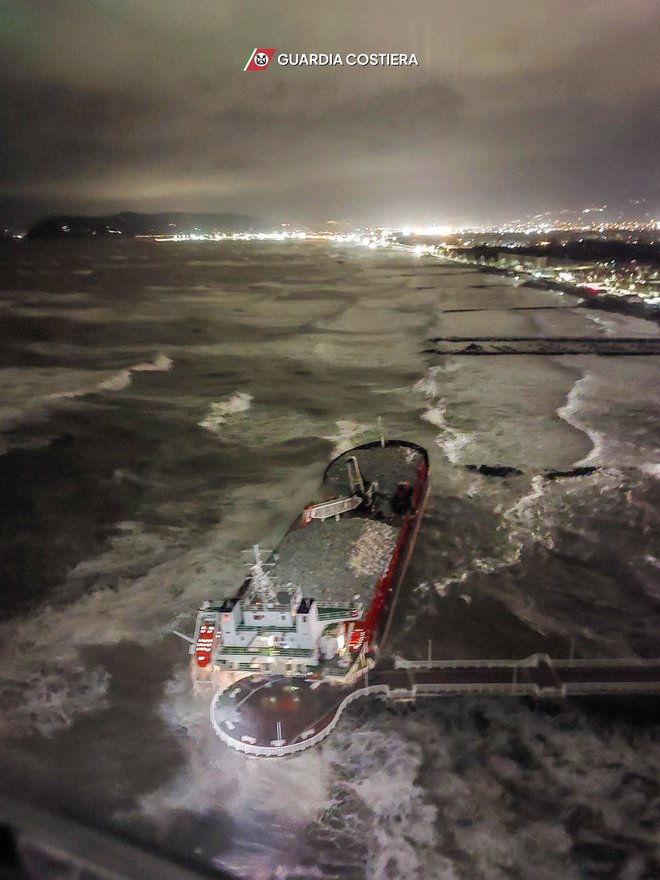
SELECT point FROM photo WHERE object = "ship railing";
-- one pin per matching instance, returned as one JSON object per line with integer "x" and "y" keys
{"x": 301, "y": 745}
{"x": 532, "y": 661}
{"x": 279, "y": 607}
{"x": 381, "y": 690}
{"x": 336, "y": 671}
{"x": 326, "y": 509}
{"x": 327, "y": 612}
{"x": 250, "y": 627}
{"x": 514, "y": 688}
{"x": 575, "y": 688}
{"x": 270, "y": 651}
{"x": 418, "y": 689}
{"x": 294, "y": 652}
{"x": 402, "y": 663}
{"x": 607, "y": 661}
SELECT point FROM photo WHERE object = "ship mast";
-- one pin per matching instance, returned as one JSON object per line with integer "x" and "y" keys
{"x": 260, "y": 580}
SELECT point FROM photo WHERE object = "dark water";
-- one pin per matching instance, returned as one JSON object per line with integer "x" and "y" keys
{"x": 167, "y": 405}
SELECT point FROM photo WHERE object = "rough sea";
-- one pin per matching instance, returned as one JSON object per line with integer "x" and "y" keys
{"x": 167, "y": 405}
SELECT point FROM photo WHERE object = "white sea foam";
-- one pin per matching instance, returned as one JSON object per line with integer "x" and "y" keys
{"x": 535, "y": 517}
{"x": 346, "y": 435}
{"x": 144, "y": 584}
{"x": 430, "y": 385}
{"x": 40, "y": 654}
{"x": 451, "y": 440}
{"x": 160, "y": 364}
{"x": 215, "y": 780}
{"x": 417, "y": 790}
{"x": 30, "y": 393}
{"x": 450, "y": 787}
{"x": 237, "y": 420}
{"x": 653, "y": 470}
{"x": 614, "y": 404}
{"x": 609, "y": 327}
{"x": 553, "y": 508}
{"x": 551, "y": 504}
{"x": 118, "y": 381}
{"x": 648, "y": 574}
{"x": 572, "y": 413}
{"x": 389, "y": 789}
{"x": 44, "y": 684}
{"x": 433, "y": 783}
{"x": 222, "y": 411}
{"x": 530, "y": 518}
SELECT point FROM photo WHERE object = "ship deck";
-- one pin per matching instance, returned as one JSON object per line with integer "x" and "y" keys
{"x": 337, "y": 560}
{"x": 271, "y": 712}
{"x": 387, "y": 465}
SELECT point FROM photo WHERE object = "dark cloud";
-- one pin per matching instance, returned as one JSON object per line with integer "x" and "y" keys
{"x": 143, "y": 104}
{"x": 51, "y": 130}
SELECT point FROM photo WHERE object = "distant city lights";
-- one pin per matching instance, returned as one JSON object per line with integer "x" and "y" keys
{"x": 458, "y": 244}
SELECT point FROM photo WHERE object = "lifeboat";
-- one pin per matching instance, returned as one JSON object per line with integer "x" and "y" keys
{"x": 357, "y": 638}
{"x": 204, "y": 646}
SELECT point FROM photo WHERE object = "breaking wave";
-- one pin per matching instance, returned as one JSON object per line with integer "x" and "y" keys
{"x": 535, "y": 514}
{"x": 450, "y": 440}
{"x": 216, "y": 781}
{"x": 347, "y": 434}
{"x": 653, "y": 470}
{"x": 572, "y": 412}
{"x": 44, "y": 683}
{"x": 453, "y": 791}
{"x": 615, "y": 405}
{"x": 30, "y": 394}
{"x": 118, "y": 381}
{"x": 221, "y": 412}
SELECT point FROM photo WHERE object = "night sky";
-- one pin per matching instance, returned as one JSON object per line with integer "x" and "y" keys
{"x": 514, "y": 108}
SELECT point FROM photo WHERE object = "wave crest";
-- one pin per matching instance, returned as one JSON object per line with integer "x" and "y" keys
{"x": 219, "y": 413}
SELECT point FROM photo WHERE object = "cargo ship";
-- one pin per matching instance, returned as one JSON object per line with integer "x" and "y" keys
{"x": 318, "y": 604}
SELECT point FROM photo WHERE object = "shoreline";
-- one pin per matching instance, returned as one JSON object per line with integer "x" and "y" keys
{"x": 571, "y": 443}
{"x": 629, "y": 305}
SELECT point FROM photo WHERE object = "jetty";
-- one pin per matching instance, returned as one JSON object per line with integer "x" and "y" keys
{"x": 274, "y": 716}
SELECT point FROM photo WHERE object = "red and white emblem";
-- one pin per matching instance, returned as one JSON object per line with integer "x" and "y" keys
{"x": 259, "y": 59}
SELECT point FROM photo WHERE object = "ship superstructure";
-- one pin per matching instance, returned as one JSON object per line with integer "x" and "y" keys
{"x": 270, "y": 629}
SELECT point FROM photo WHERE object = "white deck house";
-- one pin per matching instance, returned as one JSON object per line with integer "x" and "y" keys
{"x": 270, "y": 630}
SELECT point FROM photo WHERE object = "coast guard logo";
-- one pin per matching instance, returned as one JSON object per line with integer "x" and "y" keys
{"x": 259, "y": 59}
